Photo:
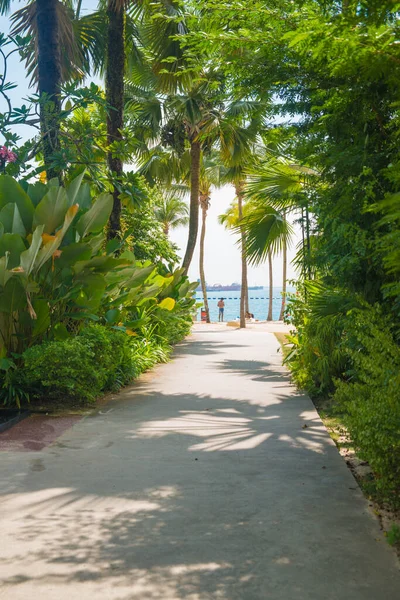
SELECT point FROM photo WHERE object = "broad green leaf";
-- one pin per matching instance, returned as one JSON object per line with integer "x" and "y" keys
{"x": 14, "y": 245}
{"x": 6, "y": 364}
{"x": 5, "y": 275}
{"x": 52, "y": 243}
{"x": 29, "y": 256}
{"x": 42, "y": 320}
{"x": 60, "y": 332}
{"x": 99, "y": 264}
{"x": 73, "y": 188}
{"x": 11, "y": 191}
{"x": 96, "y": 242}
{"x": 36, "y": 191}
{"x": 93, "y": 286}
{"x": 113, "y": 245}
{"x": 96, "y": 218}
{"x": 184, "y": 288}
{"x": 51, "y": 210}
{"x": 149, "y": 292}
{"x": 84, "y": 197}
{"x": 113, "y": 316}
{"x": 167, "y": 304}
{"x": 130, "y": 277}
{"x": 11, "y": 219}
{"x": 12, "y": 297}
{"x": 74, "y": 253}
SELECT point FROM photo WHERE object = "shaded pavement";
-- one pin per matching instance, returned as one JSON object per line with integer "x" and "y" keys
{"x": 210, "y": 478}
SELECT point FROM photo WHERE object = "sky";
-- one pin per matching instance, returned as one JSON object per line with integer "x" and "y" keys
{"x": 222, "y": 254}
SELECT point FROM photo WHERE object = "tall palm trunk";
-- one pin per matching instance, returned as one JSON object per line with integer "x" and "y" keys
{"x": 246, "y": 297}
{"x": 239, "y": 194}
{"x": 195, "y": 154}
{"x": 115, "y": 99}
{"x": 308, "y": 242}
{"x": 271, "y": 287}
{"x": 204, "y": 203}
{"x": 284, "y": 276}
{"x": 49, "y": 67}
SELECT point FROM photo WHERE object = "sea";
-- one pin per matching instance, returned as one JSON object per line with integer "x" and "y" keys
{"x": 258, "y": 303}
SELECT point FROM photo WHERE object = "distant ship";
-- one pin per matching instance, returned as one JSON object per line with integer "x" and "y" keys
{"x": 234, "y": 287}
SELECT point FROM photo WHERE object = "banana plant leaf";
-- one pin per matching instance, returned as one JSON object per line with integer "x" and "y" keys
{"x": 11, "y": 220}
{"x": 96, "y": 218}
{"x": 28, "y": 257}
{"x": 13, "y": 245}
{"x": 51, "y": 210}
{"x": 73, "y": 189}
{"x": 11, "y": 191}
{"x": 36, "y": 191}
{"x": 52, "y": 243}
{"x": 74, "y": 253}
{"x": 5, "y": 275}
{"x": 130, "y": 277}
{"x": 42, "y": 321}
{"x": 13, "y": 296}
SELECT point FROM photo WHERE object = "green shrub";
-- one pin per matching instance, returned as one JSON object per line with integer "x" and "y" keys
{"x": 112, "y": 355}
{"x": 175, "y": 325}
{"x": 80, "y": 368}
{"x": 317, "y": 356}
{"x": 371, "y": 395}
{"x": 62, "y": 370}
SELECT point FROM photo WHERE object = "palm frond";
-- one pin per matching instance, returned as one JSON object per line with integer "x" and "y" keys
{"x": 266, "y": 230}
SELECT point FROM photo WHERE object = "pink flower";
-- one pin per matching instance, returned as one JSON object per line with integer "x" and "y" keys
{"x": 7, "y": 155}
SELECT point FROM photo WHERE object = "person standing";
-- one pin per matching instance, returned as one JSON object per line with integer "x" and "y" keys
{"x": 221, "y": 306}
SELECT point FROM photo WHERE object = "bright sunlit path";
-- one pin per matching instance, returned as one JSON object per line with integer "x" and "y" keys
{"x": 211, "y": 477}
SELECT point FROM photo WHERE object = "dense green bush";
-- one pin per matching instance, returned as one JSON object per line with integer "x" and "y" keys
{"x": 316, "y": 357}
{"x": 353, "y": 354}
{"x": 80, "y": 368}
{"x": 60, "y": 371}
{"x": 175, "y": 326}
{"x": 370, "y": 395}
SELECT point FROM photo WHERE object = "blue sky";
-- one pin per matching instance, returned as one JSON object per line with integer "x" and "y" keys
{"x": 222, "y": 260}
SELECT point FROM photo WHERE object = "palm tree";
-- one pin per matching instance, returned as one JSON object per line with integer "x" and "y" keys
{"x": 189, "y": 123}
{"x": 231, "y": 220}
{"x": 276, "y": 183}
{"x": 267, "y": 232}
{"x": 43, "y": 17}
{"x": 271, "y": 287}
{"x": 235, "y": 174}
{"x": 115, "y": 71}
{"x": 171, "y": 211}
{"x": 49, "y": 26}
{"x": 210, "y": 176}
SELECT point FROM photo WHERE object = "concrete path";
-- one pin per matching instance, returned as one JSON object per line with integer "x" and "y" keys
{"x": 210, "y": 479}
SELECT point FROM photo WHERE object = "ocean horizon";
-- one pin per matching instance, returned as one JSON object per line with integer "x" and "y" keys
{"x": 258, "y": 303}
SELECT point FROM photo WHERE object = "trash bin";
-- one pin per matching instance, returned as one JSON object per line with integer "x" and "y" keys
{"x": 203, "y": 315}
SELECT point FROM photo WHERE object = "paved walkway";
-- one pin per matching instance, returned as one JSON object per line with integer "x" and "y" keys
{"x": 210, "y": 479}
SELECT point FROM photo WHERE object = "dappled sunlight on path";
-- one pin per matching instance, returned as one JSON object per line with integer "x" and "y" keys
{"x": 211, "y": 478}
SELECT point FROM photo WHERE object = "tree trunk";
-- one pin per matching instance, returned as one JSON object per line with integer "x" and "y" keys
{"x": 49, "y": 68}
{"x": 195, "y": 153}
{"x": 271, "y": 287}
{"x": 239, "y": 195}
{"x": 284, "y": 275}
{"x": 308, "y": 242}
{"x": 115, "y": 99}
{"x": 246, "y": 297}
{"x": 204, "y": 203}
